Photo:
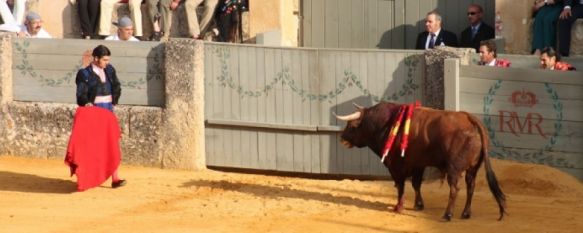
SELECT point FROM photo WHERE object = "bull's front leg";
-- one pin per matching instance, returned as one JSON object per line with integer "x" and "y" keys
{"x": 400, "y": 184}
{"x": 417, "y": 180}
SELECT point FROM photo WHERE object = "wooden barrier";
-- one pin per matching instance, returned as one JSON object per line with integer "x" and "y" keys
{"x": 44, "y": 70}
{"x": 271, "y": 107}
{"x": 532, "y": 115}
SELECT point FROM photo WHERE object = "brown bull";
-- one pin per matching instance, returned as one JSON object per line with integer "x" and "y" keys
{"x": 453, "y": 142}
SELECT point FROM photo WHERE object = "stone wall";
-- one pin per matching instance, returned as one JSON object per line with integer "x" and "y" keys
{"x": 434, "y": 72}
{"x": 170, "y": 137}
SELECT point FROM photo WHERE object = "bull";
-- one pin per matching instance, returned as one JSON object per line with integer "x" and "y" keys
{"x": 453, "y": 142}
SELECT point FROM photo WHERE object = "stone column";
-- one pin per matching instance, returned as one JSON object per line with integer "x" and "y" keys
{"x": 5, "y": 68}
{"x": 434, "y": 72}
{"x": 6, "y": 121}
{"x": 182, "y": 143}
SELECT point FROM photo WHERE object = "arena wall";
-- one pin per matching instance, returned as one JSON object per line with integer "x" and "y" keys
{"x": 532, "y": 115}
{"x": 157, "y": 112}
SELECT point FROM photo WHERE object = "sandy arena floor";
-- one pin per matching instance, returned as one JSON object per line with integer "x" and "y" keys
{"x": 38, "y": 196}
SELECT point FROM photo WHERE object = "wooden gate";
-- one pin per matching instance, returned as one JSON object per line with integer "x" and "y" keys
{"x": 271, "y": 108}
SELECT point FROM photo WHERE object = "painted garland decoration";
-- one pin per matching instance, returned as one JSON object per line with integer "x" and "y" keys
{"x": 537, "y": 156}
{"x": 27, "y": 69}
{"x": 284, "y": 77}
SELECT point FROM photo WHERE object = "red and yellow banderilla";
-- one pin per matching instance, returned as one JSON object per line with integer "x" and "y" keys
{"x": 404, "y": 109}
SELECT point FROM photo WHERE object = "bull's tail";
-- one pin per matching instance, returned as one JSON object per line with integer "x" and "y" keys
{"x": 490, "y": 176}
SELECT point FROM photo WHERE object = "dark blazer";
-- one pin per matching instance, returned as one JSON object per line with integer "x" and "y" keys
{"x": 446, "y": 37}
{"x": 571, "y": 2}
{"x": 485, "y": 32}
{"x": 89, "y": 85}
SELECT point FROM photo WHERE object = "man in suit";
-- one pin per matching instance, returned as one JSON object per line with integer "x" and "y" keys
{"x": 434, "y": 35}
{"x": 572, "y": 10}
{"x": 477, "y": 31}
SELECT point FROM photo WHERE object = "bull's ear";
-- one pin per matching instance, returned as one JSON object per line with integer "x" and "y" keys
{"x": 357, "y": 106}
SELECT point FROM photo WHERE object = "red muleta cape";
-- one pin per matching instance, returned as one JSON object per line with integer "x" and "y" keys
{"x": 93, "y": 152}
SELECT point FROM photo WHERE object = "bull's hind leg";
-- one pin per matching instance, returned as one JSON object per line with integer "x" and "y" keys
{"x": 416, "y": 180}
{"x": 452, "y": 179}
{"x": 470, "y": 185}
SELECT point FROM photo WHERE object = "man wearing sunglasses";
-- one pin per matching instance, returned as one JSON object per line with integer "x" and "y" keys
{"x": 477, "y": 31}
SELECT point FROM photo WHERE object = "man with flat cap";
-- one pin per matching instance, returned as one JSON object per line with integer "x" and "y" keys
{"x": 32, "y": 27}
{"x": 125, "y": 30}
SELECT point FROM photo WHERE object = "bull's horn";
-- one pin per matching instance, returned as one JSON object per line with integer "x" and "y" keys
{"x": 357, "y": 106}
{"x": 350, "y": 117}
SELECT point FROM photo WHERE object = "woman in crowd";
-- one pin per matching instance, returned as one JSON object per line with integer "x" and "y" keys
{"x": 544, "y": 33}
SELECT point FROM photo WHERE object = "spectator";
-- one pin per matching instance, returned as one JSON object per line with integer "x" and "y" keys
{"x": 125, "y": 30}
{"x": 197, "y": 30}
{"x": 93, "y": 153}
{"x": 32, "y": 27}
{"x": 546, "y": 13}
{"x": 550, "y": 60}
{"x": 572, "y": 10}
{"x": 477, "y": 31}
{"x": 228, "y": 18}
{"x": 488, "y": 55}
{"x": 434, "y": 35}
{"x": 107, "y": 10}
{"x": 88, "y": 16}
{"x": 160, "y": 9}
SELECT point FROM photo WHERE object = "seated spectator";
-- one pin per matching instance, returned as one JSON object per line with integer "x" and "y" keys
{"x": 198, "y": 30}
{"x": 488, "y": 55}
{"x": 88, "y": 11}
{"x": 572, "y": 10}
{"x": 125, "y": 30}
{"x": 546, "y": 13}
{"x": 12, "y": 20}
{"x": 32, "y": 27}
{"x": 477, "y": 31}
{"x": 550, "y": 60}
{"x": 434, "y": 35}
{"x": 107, "y": 10}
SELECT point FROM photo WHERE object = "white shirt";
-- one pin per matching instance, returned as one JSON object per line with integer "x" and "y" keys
{"x": 434, "y": 39}
{"x": 41, "y": 34}
{"x": 101, "y": 73}
{"x": 116, "y": 37}
{"x": 492, "y": 63}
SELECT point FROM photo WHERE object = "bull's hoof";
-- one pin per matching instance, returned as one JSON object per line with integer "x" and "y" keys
{"x": 398, "y": 209}
{"x": 419, "y": 206}
{"x": 466, "y": 215}
{"x": 447, "y": 217}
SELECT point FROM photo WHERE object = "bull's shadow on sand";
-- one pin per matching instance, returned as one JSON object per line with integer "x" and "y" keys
{"x": 283, "y": 191}
{"x": 19, "y": 182}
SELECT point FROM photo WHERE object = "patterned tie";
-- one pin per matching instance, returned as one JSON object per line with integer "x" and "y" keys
{"x": 431, "y": 41}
